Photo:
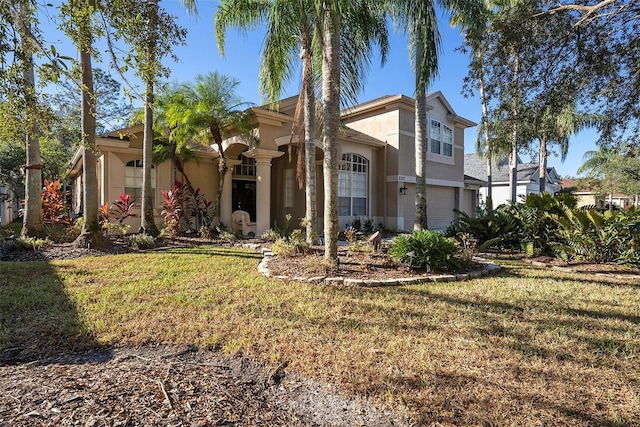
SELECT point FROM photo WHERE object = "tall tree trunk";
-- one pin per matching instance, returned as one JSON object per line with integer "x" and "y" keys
{"x": 32, "y": 222}
{"x": 420, "y": 148}
{"x": 148, "y": 224}
{"x": 487, "y": 139}
{"x": 331, "y": 101}
{"x": 91, "y": 235}
{"x": 223, "y": 167}
{"x": 309, "y": 142}
{"x": 542, "y": 175}
{"x": 513, "y": 163}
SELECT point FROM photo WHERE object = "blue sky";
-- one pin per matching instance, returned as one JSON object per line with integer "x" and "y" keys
{"x": 242, "y": 59}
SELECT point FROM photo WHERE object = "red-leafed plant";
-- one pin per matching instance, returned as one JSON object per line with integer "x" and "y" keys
{"x": 122, "y": 208}
{"x": 54, "y": 206}
{"x": 103, "y": 214}
{"x": 175, "y": 207}
{"x": 203, "y": 210}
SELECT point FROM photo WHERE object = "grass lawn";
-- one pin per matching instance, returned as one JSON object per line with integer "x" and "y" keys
{"x": 522, "y": 347}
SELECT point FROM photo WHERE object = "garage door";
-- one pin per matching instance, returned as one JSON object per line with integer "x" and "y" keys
{"x": 440, "y": 204}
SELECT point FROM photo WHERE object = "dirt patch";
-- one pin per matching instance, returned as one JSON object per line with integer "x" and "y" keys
{"x": 170, "y": 386}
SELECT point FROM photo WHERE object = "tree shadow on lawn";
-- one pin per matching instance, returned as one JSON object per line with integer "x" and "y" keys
{"x": 520, "y": 328}
{"x": 475, "y": 398}
{"x": 208, "y": 250}
{"x": 535, "y": 272}
{"x": 38, "y": 319}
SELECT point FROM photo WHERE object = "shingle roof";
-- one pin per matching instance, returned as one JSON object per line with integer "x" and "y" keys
{"x": 476, "y": 166}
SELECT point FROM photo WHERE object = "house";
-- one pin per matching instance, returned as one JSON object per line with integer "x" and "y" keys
{"x": 528, "y": 178}
{"x": 376, "y": 177}
{"x": 8, "y": 212}
{"x": 588, "y": 196}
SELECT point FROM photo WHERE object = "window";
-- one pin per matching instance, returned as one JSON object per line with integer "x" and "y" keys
{"x": 353, "y": 176}
{"x": 288, "y": 188}
{"x": 133, "y": 181}
{"x": 441, "y": 139}
{"x": 435, "y": 137}
{"x": 247, "y": 167}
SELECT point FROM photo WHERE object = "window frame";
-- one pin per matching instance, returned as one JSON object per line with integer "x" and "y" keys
{"x": 135, "y": 166}
{"x": 444, "y": 139}
{"x": 353, "y": 185}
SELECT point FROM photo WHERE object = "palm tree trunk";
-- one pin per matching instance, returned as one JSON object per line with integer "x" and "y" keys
{"x": 542, "y": 175}
{"x": 32, "y": 222}
{"x": 487, "y": 139}
{"x": 309, "y": 142}
{"x": 223, "y": 167}
{"x": 421, "y": 160}
{"x": 421, "y": 150}
{"x": 331, "y": 101}
{"x": 513, "y": 166}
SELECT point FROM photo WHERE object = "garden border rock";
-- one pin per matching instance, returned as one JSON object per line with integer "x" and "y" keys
{"x": 490, "y": 267}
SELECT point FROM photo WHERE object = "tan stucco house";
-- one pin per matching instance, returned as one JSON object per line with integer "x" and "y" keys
{"x": 376, "y": 176}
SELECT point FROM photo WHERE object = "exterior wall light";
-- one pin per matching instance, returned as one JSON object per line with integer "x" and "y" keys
{"x": 403, "y": 189}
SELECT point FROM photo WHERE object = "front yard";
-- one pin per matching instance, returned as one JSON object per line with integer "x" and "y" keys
{"x": 525, "y": 346}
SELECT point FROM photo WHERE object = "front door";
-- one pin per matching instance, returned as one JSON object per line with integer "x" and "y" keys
{"x": 243, "y": 196}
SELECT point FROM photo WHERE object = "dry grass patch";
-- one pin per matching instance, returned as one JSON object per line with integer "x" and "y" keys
{"x": 524, "y": 347}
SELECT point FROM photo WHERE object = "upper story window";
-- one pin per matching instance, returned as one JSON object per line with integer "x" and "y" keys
{"x": 440, "y": 139}
{"x": 353, "y": 176}
{"x": 246, "y": 168}
{"x": 133, "y": 180}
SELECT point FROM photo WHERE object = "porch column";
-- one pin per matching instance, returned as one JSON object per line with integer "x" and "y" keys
{"x": 225, "y": 200}
{"x": 263, "y": 186}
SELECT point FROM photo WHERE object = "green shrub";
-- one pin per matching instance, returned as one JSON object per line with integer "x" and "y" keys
{"x": 426, "y": 250}
{"x": 296, "y": 244}
{"x": 589, "y": 235}
{"x": 490, "y": 227}
{"x": 224, "y": 233}
{"x": 534, "y": 220}
{"x": 141, "y": 241}
{"x": 270, "y": 235}
{"x": 206, "y": 232}
{"x": 27, "y": 244}
{"x": 356, "y": 224}
{"x": 368, "y": 226}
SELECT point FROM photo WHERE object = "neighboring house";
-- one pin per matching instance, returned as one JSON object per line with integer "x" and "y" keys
{"x": 590, "y": 197}
{"x": 8, "y": 213}
{"x": 376, "y": 177}
{"x": 528, "y": 180}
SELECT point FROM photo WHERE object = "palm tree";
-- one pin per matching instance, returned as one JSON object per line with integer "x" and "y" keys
{"x": 151, "y": 33}
{"x": 290, "y": 26}
{"x": 364, "y": 18}
{"x": 211, "y": 110}
{"x": 603, "y": 164}
{"x": 554, "y": 127}
{"x": 168, "y": 144}
{"x": 418, "y": 19}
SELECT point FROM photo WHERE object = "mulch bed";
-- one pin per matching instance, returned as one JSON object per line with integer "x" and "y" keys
{"x": 354, "y": 264}
{"x": 163, "y": 386}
